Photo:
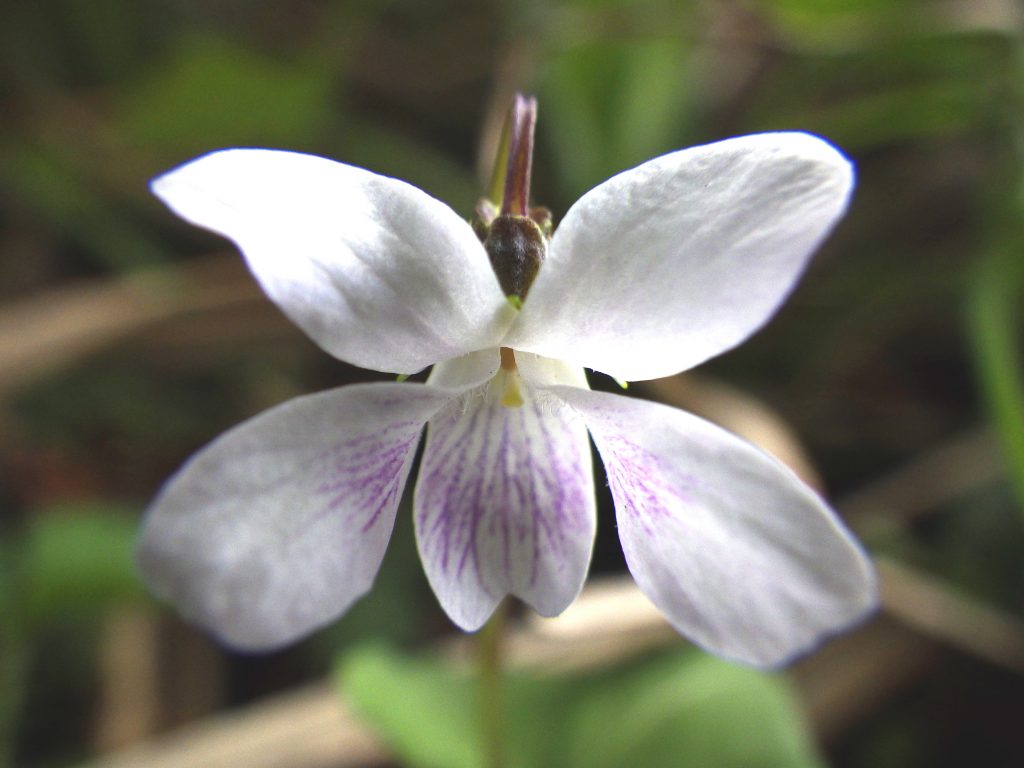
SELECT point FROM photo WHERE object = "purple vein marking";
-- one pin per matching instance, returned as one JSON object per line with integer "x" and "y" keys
{"x": 640, "y": 482}
{"x": 363, "y": 474}
{"x": 502, "y": 492}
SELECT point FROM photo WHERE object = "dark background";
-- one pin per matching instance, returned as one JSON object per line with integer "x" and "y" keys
{"x": 128, "y": 340}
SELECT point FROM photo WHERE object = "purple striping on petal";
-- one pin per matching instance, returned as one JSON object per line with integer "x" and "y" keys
{"x": 363, "y": 474}
{"x": 503, "y": 493}
{"x": 471, "y": 522}
{"x": 569, "y": 512}
{"x": 640, "y": 483}
{"x": 453, "y": 473}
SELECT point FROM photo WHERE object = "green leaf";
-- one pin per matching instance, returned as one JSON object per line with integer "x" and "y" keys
{"x": 79, "y": 561}
{"x": 878, "y": 93}
{"x": 678, "y": 709}
{"x": 422, "y": 710}
{"x": 900, "y": 114}
{"x": 427, "y": 710}
{"x": 213, "y": 94}
{"x": 837, "y": 24}
{"x": 609, "y": 106}
{"x": 690, "y": 710}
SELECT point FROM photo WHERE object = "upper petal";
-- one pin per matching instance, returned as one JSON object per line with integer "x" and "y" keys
{"x": 377, "y": 272}
{"x": 683, "y": 257}
{"x": 741, "y": 556}
{"x": 504, "y": 502}
{"x": 279, "y": 525}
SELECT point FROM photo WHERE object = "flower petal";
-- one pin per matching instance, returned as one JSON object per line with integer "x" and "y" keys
{"x": 504, "y": 503}
{"x": 742, "y": 557}
{"x": 279, "y": 525}
{"x": 377, "y": 272}
{"x": 682, "y": 258}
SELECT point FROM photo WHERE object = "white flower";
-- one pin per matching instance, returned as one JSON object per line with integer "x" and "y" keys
{"x": 278, "y": 526}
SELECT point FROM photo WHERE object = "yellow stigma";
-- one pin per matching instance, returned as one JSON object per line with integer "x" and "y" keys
{"x": 511, "y": 397}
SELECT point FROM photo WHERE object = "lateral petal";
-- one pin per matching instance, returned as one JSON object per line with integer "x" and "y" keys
{"x": 279, "y": 525}
{"x": 377, "y": 272}
{"x": 677, "y": 260}
{"x": 740, "y": 555}
{"x": 504, "y": 503}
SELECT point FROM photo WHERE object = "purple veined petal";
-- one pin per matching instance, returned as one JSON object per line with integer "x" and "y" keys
{"x": 377, "y": 272}
{"x": 684, "y": 257}
{"x": 739, "y": 554}
{"x": 279, "y": 525}
{"x": 504, "y": 503}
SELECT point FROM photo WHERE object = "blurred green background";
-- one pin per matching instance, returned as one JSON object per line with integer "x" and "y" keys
{"x": 128, "y": 339}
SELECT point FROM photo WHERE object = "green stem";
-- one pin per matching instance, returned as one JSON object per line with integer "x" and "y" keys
{"x": 993, "y": 319}
{"x": 994, "y": 303}
{"x": 491, "y": 689}
{"x": 496, "y": 189}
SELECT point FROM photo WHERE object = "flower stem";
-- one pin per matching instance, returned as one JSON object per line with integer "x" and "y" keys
{"x": 491, "y": 689}
{"x": 515, "y": 199}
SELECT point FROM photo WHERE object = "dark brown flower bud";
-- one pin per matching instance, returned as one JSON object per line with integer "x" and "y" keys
{"x": 516, "y": 247}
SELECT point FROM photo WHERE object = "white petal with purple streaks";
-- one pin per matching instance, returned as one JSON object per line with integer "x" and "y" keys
{"x": 279, "y": 525}
{"x": 504, "y": 502}
{"x": 739, "y": 554}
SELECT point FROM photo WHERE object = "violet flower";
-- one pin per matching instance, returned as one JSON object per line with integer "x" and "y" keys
{"x": 279, "y": 525}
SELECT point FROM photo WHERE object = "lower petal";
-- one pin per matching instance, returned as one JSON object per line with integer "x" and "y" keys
{"x": 279, "y": 525}
{"x": 739, "y": 554}
{"x": 504, "y": 503}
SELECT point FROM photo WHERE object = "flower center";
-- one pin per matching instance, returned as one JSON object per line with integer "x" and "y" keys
{"x": 516, "y": 247}
{"x": 514, "y": 235}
